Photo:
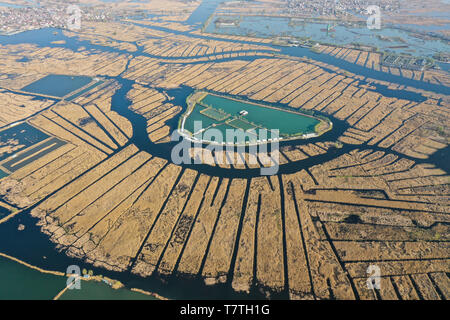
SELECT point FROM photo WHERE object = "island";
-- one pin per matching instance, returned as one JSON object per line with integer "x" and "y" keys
{"x": 256, "y": 120}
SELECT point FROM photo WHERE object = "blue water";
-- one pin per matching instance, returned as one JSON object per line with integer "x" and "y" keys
{"x": 33, "y": 244}
{"x": 428, "y": 28}
{"x": 101, "y": 291}
{"x": 45, "y": 37}
{"x": 22, "y": 283}
{"x": 434, "y": 14}
{"x": 57, "y": 85}
{"x": 10, "y": 5}
{"x": 203, "y": 11}
{"x": 25, "y": 136}
{"x": 267, "y": 27}
{"x": 2, "y": 175}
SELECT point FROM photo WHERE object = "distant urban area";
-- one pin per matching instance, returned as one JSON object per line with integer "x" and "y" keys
{"x": 15, "y": 20}
{"x": 332, "y": 7}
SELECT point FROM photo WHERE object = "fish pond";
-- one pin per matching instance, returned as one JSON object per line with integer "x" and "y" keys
{"x": 20, "y": 282}
{"x": 22, "y": 136}
{"x": 4, "y": 211}
{"x": 385, "y": 39}
{"x": 56, "y": 85}
{"x": 2, "y": 175}
{"x": 227, "y": 113}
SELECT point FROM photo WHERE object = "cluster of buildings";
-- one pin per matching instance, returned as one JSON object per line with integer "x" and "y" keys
{"x": 15, "y": 20}
{"x": 333, "y": 7}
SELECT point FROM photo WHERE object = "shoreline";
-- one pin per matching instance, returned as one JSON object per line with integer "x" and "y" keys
{"x": 203, "y": 93}
{"x": 114, "y": 284}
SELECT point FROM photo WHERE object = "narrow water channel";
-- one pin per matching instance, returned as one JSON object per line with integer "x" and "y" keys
{"x": 35, "y": 248}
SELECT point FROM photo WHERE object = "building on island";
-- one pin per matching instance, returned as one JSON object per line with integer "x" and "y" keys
{"x": 309, "y": 135}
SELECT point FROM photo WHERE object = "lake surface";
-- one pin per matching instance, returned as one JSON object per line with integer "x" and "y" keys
{"x": 32, "y": 154}
{"x": 386, "y": 39}
{"x": 57, "y": 85}
{"x": 203, "y": 11}
{"x": 46, "y": 37}
{"x": 24, "y": 136}
{"x": 258, "y": 116}
{"x": 19, "y": 282}
{"x": 91, "y": 290}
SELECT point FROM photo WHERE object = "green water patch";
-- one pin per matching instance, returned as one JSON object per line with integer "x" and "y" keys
{"x": 91, "y": 290}
{"x": 235, "y": 136}
{"x": 241, "y": 124}
{"x": 215, "y": 114}
{"x": 224, "y": 113}
{"x": 56, "y": 85}
{"x": 389, "y": 39}
{"x": 19, "y": 282}
{"x": 287, "y": 122}
{"x": 196, "y": 115}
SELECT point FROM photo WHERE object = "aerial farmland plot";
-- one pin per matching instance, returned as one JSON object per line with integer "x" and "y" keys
{"x": 264, "y": 152}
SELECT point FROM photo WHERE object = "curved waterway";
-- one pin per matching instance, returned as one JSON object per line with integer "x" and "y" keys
{"x": 45, "y": 37}
{"x": 140, "y": 138}
{"x": 35, "y": 247}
